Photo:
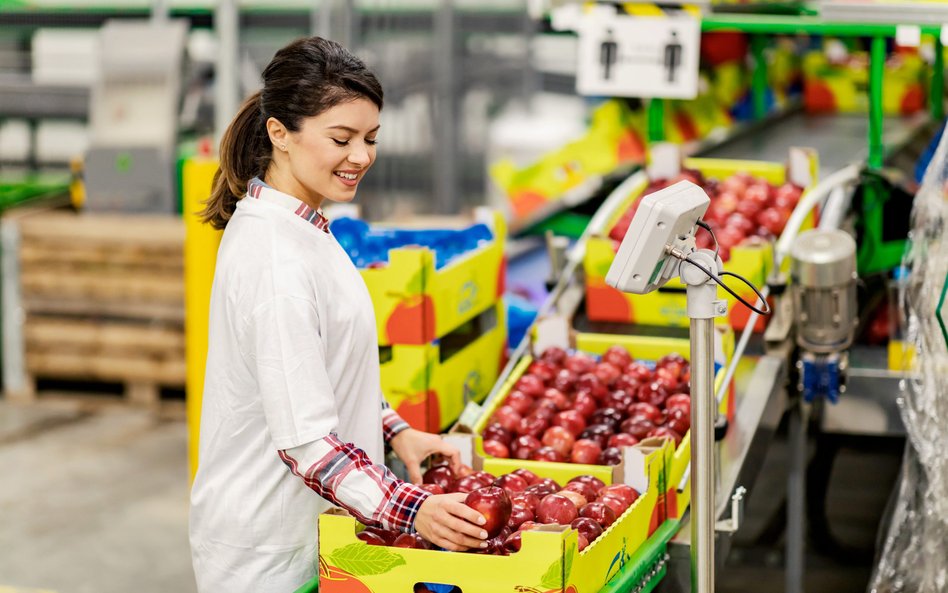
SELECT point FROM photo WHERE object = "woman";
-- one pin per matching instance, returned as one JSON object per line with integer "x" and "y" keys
{"x": 291, "y": 399}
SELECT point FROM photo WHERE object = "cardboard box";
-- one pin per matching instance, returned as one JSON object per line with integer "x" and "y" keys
{"x": 417, "y": 303}
{"x": 548, "y": 562}
{"x": 429, "y": 385}
{"x": 674, "y": 499}
{"x": 668, "y": 305}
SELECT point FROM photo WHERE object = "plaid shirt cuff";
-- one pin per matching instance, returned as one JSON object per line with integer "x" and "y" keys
{"x": 392, "y": 423}
{"x": 403, "y": 506}
{"x": 345, "y": 476}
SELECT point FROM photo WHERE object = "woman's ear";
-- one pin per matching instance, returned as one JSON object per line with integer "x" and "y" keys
{"x": 278, "y": 133}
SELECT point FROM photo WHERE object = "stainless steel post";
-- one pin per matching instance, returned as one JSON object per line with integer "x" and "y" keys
{"x": 702, "y": 455}
{"x": 446, "y": 124}
{"x": 796, "y": 500}
{"x": 226, "y": 93}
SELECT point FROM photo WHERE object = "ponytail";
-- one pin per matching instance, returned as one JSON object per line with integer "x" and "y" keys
{"x": 245, "y": 153}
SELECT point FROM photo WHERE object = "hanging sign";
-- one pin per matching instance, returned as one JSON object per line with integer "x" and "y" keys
{"x": 626, "y": 56}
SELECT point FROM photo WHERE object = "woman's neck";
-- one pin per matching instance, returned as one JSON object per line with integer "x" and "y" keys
{"x": 284, "y": 182}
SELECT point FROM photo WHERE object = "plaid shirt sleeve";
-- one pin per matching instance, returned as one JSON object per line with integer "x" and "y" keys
{"x": 345, "y": 476}
{"x": 392, "y": 423}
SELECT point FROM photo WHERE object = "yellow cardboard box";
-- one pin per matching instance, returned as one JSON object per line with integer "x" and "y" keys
{"x": 416, "y": 303}
{"x": 548, "y": 562}
{"x": 668, "y": 305}
{"x": 429, "y": 385}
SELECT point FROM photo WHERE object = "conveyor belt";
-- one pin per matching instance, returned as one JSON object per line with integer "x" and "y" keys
{"x": 839, "y": 139}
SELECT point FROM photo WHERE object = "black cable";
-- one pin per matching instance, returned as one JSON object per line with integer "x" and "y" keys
{"x": 708, "y": 228}
{"x": 765, "y": 311}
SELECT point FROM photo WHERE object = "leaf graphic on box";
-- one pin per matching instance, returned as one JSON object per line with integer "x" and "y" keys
{"x": 553, "y": 579}
{"x": 360, "y": 559}
{"x": 568, "y": 564}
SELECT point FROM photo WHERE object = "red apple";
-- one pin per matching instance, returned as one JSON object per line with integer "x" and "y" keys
{"x": 588, "y": 527}
{"x": 637, "y": 426}
{"x": 759, "y": 194}
{"x": 554, "y": 355}
{"x": 599, "y": 434}
{"x": 432, "y": 488}
{"x": 565, "y": 380}
{"x": 511, "y": 484}
{"x": 585, "y": 451}
{"x": 627, "y": 383}
{"x": 558, "y": 398}
{"x": 729, "y": 237}
{"x": 678, "y": 400}
{"x": 592, "y": 481}
{"x": 774, "y": 219}
{"x": 556, "y": 508}
{"x": 463, "y": 470}
{"x": 626, "y": 493}
{"x": 590, "y": 383}
{"x": 621, "y": 439}
{"x": 541, "y": 489}
{"x": 494, "y": 504}
{"x": 513, "y": 542}
{"x": 588, "y": 492}
{"x": 440, "y": 475}
{"x": 787, "y": 196}
{"x": 526, "y": 499}
{"x": 667, "y": 378}
{"x": 507, "y": 417}
{"x": 542, "y": 370}
{"x": 519, "y": 401}
{"x": 468, "y": 484}
{"x": 547, "y": 454}
{"x": 619, "y": 399}
{"x": 485, "y": 478}
{"x": 599, "y": 512}
{"x": 580, "y": 363}
{"x": 749, "y": 208}
{"x": 578, "y": 499}
{"x": 496, "y": 449}
{"x": 559, "y": 439}
{"x": 618, "y": 356}
{"x": 533, "y": 426}
{"x": 519, "y": 515}
{"x": 585, "y": 404}
{"x": 411, "y": 540}
{"x": 610, "y": 456}
{"x": 607, "y": 373}
{"x": 496, "y": 432}
{"x": 550, "y": 483}
{"x": 377, "y": 537}
{"x": 666, "y": 433}
{"x": 530, "y": 477}
{"x": 653, "y": 413}
{"x": 652, "y": 393}
{"x": 608, "y": 416}
{"x": 524, "y": 445}
{"x": 638, "y": 372}
{"x": 531, "y": 385}
{"x": 726, "y": 202}
{"x": 581, "y": 542}
{"x": 613, "y": 502}
{"x": 679, "y": 421}
{"x": 571, "y": 420}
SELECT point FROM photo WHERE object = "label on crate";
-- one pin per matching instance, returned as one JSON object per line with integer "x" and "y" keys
{"x": 470, "y": 415}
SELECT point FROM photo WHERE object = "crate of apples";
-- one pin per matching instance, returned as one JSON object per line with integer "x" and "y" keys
{"x": 521, "y": 501}
{"x": 743, "y": 208}
{"x": 579, "y": 409}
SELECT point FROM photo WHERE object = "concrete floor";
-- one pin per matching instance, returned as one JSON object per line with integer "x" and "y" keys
{"x": 95, "y": 500}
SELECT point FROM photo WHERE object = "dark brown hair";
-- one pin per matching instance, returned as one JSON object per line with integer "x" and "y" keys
{"x": 303, "y": 79}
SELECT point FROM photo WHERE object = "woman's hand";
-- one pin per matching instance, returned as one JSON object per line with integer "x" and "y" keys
{"x": 413, "y": 446}
{"x": 446, "y": 521}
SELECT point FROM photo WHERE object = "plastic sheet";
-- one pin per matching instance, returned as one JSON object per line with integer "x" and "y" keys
{"x": 914, "y": 552}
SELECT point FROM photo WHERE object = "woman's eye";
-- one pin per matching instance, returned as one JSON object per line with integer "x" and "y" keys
{"x": 340, "y": 142}
{"x": 372, "y": 142}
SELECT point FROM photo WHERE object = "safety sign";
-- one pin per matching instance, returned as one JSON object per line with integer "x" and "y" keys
{"x": 626, "y": 56}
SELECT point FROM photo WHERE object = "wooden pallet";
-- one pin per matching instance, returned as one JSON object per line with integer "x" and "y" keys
{"x": 100, "y": 298}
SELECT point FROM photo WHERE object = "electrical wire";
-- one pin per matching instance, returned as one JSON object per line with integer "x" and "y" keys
{"x": 708, "y": 228}
{"x": 764, "y": 311}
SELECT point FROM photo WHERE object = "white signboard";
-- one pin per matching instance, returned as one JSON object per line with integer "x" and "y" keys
{"x": 625, "y": 56}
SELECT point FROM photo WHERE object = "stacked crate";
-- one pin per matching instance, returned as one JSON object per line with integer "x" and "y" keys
{"x": 93, "y": 298}
{"x": 442, "y": 333}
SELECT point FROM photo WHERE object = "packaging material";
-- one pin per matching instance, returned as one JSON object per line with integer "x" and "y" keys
{"x": 913, "y": 557}
{"x": 548, "y": 561}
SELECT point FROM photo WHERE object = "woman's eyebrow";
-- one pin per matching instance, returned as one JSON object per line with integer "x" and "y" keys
{"x": 352, "y": 130}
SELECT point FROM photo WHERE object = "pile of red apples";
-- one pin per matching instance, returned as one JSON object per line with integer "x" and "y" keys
{"x": 575, "y": 408}
{"x": 518, "y": 502}
{"x": 743, "y": 208}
